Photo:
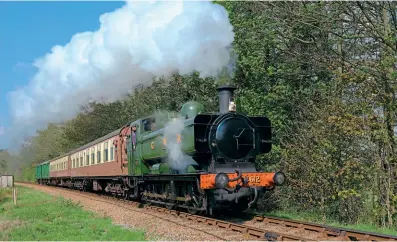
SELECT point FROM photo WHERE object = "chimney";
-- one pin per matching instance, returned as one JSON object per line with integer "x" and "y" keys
{"x": 225, "y": 96}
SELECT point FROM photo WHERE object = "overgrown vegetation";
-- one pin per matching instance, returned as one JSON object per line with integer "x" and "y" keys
{"x": 39, "y": 216}
{"x": 324, "y": 73}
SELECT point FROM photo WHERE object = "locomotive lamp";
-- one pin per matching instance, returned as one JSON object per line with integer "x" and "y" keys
{"x": 221, "y": 180}
{"x": 279, "y": 178}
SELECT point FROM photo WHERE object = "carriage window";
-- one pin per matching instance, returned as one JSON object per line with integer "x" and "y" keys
{"x": 99, "y": 157}
{"x": 93, "y": 158}
{"x": 87, "y": 159}
{"x": 106, "y": 153}
{"x": 81, "y": 161}
{"x": 111, "y": 153}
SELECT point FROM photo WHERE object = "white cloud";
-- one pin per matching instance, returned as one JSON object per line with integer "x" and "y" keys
{"x": 133, "y": 44}
{"x": 2, "y": 130}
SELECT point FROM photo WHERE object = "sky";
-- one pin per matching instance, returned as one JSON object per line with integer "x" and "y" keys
{"x": 28, "y": 30}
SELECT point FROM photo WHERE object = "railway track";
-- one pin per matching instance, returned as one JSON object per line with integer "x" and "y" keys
{"x": 323, "y": 232}
{"x": 327, "y": 231}
{"x": 245, "y": 231}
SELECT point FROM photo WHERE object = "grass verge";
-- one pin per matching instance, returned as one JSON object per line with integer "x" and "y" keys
{"x": 39, "y": 216}
{"x": 314, "y": 218}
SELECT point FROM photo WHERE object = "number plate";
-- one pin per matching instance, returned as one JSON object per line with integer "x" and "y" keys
{"x": 254, "y": 179}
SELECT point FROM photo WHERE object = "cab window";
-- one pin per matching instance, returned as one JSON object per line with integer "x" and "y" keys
{"x": 149, "y": 125}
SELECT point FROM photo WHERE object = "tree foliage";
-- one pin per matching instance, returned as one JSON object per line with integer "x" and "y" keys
{"x": 325, "y": 75}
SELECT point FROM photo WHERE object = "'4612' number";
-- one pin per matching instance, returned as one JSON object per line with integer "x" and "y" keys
{"x": 254, "y": 179}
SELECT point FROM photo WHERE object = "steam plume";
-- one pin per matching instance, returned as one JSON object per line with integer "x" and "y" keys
{"x": 133, "y": 44}
{"x": 177, "y": 159}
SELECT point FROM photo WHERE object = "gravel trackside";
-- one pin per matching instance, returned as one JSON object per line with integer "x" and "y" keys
{"x": 158, "y": 226}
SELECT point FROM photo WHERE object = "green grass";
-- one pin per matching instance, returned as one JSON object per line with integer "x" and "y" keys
{"x": 39, "y": 216}
{"x": 314, "y": 218}
{"x": 5, "y": 195}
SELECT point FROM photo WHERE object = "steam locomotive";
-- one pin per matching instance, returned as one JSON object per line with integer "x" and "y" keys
{"x": 216, "y": 170}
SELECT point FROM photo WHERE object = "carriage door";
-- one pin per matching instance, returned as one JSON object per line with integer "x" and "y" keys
{"x": 130, "y": 154}
{"x": 125, "y": 140}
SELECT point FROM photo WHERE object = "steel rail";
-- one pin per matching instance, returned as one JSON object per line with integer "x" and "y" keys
{"x": 327, "y": 231}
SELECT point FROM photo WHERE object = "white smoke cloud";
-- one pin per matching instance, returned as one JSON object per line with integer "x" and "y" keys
{"x": 1, "y": 130}
{"x": 176, "y": 158}
{"x": 133, "y": 44}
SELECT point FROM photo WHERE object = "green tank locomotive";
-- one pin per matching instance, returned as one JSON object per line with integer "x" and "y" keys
{"x": 196, "y": 160}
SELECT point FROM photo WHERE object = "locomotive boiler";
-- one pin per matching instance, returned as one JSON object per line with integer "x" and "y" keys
{"x": 205, "y": 162}
{"x": 234, "y": 140}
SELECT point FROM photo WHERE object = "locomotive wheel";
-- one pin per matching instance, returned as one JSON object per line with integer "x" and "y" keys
{"x": 195, "y": 202}
{"x": 170, "y": 207}
{"x": 146, "y": 200}
{"x": 192, "y": 210}
{"x": 167, "y": 192}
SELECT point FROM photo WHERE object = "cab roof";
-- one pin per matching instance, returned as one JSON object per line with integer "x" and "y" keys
{"x": 43, "y": 163}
